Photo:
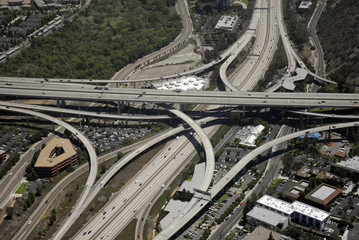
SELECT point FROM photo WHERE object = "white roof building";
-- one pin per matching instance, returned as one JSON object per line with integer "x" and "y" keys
{"x": 250, "y": 139}
{"x": 269, "y": 217}
{"x": 227, "y": 22}
{"x": 276, "y": 204}
{"x": 310, "y": 211}
{"x": 305, "y": 5}
{"x": 297, "y": 211}
{"x": 191, "y": 83}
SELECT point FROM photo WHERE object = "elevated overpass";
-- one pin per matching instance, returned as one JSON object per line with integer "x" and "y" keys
{"x": 185, "y": 217}
{"x": 189, "y": 97}
{"x": 91, "y": 151}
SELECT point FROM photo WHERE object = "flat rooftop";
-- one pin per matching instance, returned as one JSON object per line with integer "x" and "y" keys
{"x": 276, "y": 203}
{"x": 174, "y": 207}
{"x": 199, "y": 171}
{"x": 351, "y": 163}
{"x": 267, "y": 216}
{"x": 310, "y": 211}
{"x": 227, "y": 22}
{"x": 296, "y": 206}
{"x": 46, "y": 160}
{"x": 323, "y": 194}
{"x": 305, "y": 4}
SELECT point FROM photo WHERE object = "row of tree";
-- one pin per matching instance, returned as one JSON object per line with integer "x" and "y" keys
{"x": 105, "y": 38}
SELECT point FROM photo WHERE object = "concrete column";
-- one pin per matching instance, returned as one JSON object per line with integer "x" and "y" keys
{"x": 27, "y": 120}
{"x": 57, "y": 102}
{"x": 244, "y": 111}
{"x": 158, "y": 112}
{"x": 118, "y": 107}
{"x": 63, "y": 103}
{"x": 347, "y": 132}
{"x": 181, "y": 107}
{"x": 321, "y": 121}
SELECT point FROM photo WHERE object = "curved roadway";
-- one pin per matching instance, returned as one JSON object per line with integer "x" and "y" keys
{"x": 181, "y": 39}
{"x": 92, "y": 153}
{"x": 182, "y": 219}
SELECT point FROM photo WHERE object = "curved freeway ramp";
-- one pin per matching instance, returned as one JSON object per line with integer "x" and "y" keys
{"x": 316, "y": 114}
{"x": 210, "y": 160}
{"x": 182, "y": 219}
{"x": 84, "y": 113}
{"x": 181, "y": 39}
{"x": 92, "y": 153}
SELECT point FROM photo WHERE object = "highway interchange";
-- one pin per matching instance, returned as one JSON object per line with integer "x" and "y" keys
{"x": 140, "y": 192}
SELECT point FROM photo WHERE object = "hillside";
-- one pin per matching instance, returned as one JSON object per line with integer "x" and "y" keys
{"x": 338, "y": 33}
{"x": 106, "y": 37}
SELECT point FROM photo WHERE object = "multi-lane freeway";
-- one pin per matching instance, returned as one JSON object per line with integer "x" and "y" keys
{"x": 182, "y": 219}
{"x": 196, "y": 97}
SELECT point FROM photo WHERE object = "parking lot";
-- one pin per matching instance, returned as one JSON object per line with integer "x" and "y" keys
{"x": 107, "y": 138}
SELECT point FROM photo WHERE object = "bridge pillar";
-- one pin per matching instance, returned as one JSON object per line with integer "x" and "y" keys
{"x": 134, "y": 85}
{"x": 57, "y": 102}
{"x": 244, "y": 111}
{"x": 63, "y": 103}
{"x": 27, "y": 120}
{"x": 347, "y": 133}
{"x": 321, "y": 121}
{"x": 158, "y": 112}
{"x": 119, "y": 107}
{"x": 181, "y": 108}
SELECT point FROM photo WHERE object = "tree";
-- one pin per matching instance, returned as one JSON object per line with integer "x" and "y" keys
{"x": 120, "y": 155}
{"x": 52, "y": 218}
{"x": 270, "y": 236}
{"x": 9, "y": 212}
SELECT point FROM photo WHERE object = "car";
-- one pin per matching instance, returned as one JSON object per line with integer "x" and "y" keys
{"x": 69, "y": 214}
{"x": 163, "y": 185}
{"x": 138, "y": 235}
{"x": 30, "y": 222}
{"x": 109, "y": 233}
{"x": 84, "y": 234}
{"x": 113, "y": 208}
{"x": 89, "y": 232}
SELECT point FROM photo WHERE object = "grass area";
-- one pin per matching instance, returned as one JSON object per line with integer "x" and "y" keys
{"x": 22, "y": 188}
{"x": 223, "y": 129}
{"x": 274, "y": 184}
{"x": 128, "y": 231}
{"x": 245, "y": 2}
{"x": 224, "y": 196}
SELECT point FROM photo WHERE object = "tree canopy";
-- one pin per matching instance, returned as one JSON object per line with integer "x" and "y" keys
{"x": 105, "y": 38}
